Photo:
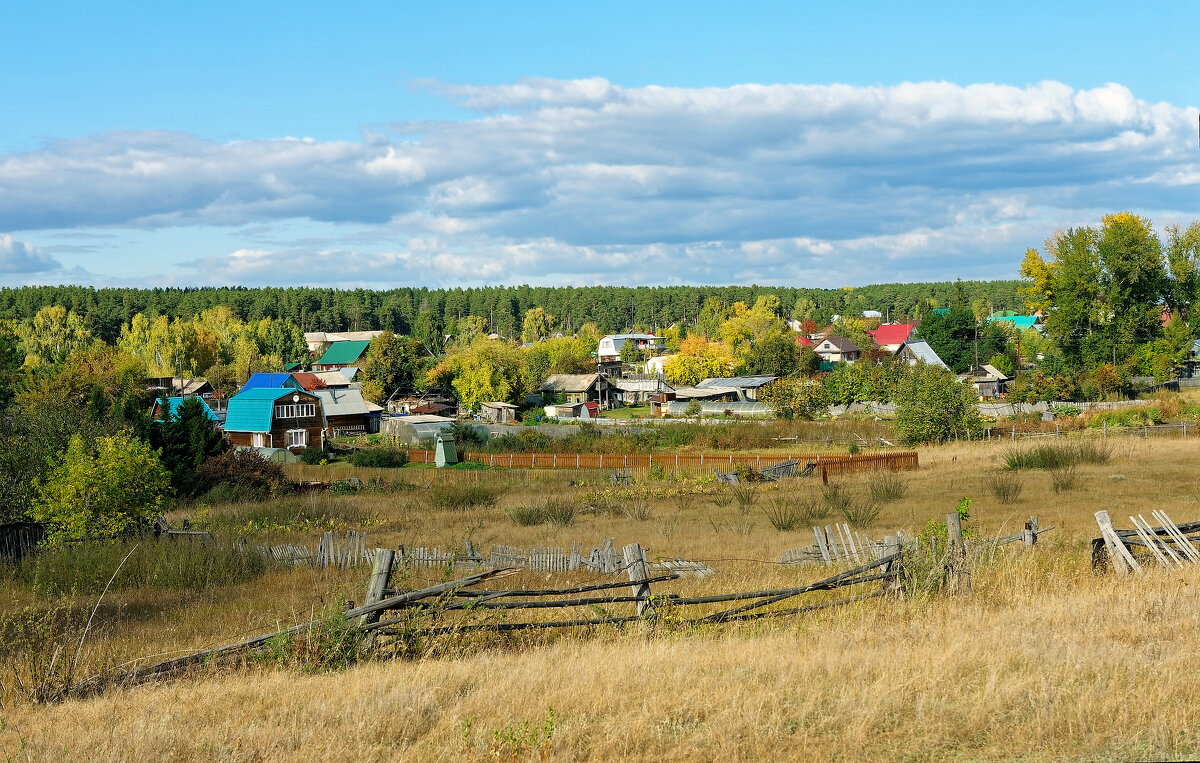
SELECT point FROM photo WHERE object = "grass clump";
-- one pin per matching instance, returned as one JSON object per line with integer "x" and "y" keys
{"x": 784, "y": 513}
{"x": 554, "y": 511}
{"x": 1005, "y": 486}
{"x": 840, "y": 499}
{"x": 887, "y": 487}
{"x": 464, "y": 496}
{"x": 1064, "y": 479}
{"x": 1058, "y": 455}
{"x": 331, "y": 643}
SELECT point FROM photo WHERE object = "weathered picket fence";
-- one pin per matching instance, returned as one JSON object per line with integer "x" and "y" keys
{"x": 1168, "y": 544}
{"x": 602, "y": 559}
{"x": 837, "y": 543}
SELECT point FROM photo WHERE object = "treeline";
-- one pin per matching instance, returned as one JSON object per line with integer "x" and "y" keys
{"x": 422, "y": 312}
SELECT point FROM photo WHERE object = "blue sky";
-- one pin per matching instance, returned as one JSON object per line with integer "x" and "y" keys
{"x": 382, "y": 144}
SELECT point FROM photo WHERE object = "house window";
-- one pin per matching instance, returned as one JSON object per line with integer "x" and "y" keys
{"x": 301, "y": 411}
{"x": 297, "y": 438}
{"x": 258, "y": 440}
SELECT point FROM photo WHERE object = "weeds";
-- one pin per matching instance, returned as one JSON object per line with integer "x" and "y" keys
{"x": 744, "y": 494}
{"x": 840, "y": 499}
{"x": 555, "y": 511}
{"x": 1058, "y": 455}
{"x": 463, "y": 496}
{"x": 887, "y": 487}
{"x": 1005, "y": 486}
{"x": 1064, "y": 479}
{"x": 36, "y": 650}
{"x": 783, "y": 513}
{"x": 331, "y": 643}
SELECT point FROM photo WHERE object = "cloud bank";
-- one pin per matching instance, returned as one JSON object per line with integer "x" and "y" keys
{"x": 584, "y": 181}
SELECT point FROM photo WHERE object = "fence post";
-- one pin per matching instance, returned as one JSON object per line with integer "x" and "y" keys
{"x": 891, "y": 546}
{"x": 379, "y": 580}
{"x": 1029, "y": 536}
{"x": 957, "y": 575}
{"x": 635, "y": 563}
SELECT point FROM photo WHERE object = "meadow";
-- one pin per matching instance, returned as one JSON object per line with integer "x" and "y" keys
{"x": 1043, "y": 660}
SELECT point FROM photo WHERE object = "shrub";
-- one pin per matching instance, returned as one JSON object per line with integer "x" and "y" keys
{"x": 380, "y": 458}
{"x": 117, "y": 487}
{"x": 885, "y": 487}
{"x": 932, "y": 406}
{"x": 331, "y": 643}
{"x": 245, "y": 470}
{"x": 1005, "y": 486}
{"x": 312, "y": 456}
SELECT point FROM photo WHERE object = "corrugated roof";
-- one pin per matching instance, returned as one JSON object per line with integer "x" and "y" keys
{"x": 173, "y": 404}
{"x": 568, "y": 382}
{"x": 342, "y": 402}
{"x": 269, "y": 381}
{"x": 923, "y": 352}
{"x": 309, "y": 381}
{"x": 343, "y": 353}
{"x": 739, "y": 382}
{"x": 251, "y": 410}
{"x": 1020, "y": 321}
{"x": 892, "y": 333}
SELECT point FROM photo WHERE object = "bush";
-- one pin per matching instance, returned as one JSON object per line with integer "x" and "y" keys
{"x": 933, "y": 406}
{"x": 312, "y": 456}
{"x": 332, "y": 643}
{"x": 1005, "y": 486}
{"x": 245, "y": 470}
{"x": 117, "y": 487}
{"x": 380, "y": 458}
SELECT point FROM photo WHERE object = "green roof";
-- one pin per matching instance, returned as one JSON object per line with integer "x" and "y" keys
{"x": 1020, "y": 321}
{"x": 343, "y": 353}
{"x": 251, "y": 410}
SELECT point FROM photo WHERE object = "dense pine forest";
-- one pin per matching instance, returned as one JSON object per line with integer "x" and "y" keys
{"x": 611, "y": 308}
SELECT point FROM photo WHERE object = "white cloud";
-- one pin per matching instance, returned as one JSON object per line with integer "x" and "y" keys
{"x": 562, "y": 179}
{"x": 18, "y": 257}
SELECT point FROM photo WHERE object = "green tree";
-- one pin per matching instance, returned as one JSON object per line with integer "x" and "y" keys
{"x": 796, "y": 398}
{"x": 537, "y": 326}
{"x": 185, "y": 440}
{"x": 118, "y": 486}
{"x": 932, "y": 406}
{"x": 52, "y": 335}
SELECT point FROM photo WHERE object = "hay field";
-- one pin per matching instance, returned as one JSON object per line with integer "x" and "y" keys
{"x": 1043, "y": 661}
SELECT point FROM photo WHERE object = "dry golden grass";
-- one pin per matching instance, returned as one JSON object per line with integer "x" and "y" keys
{"x": 1043, "y": 661}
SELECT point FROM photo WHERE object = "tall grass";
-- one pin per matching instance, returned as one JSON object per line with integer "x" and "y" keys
{"x": 886, "y": 487}
{"x": 463, "y": 496}
{"x": 556, "y": 511}
{"x": 85, "y": 568}
{"x": 1005, "y": 486}
{"x": 1058, "y": 455}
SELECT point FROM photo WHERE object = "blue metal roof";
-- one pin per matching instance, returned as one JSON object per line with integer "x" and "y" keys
{"x": 173, "y": 404}
{"x": 270, "y": 381}
{"x": 252, "y": 409}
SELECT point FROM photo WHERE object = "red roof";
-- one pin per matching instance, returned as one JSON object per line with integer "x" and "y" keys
{"x": 805, "y": 341}
{"x": 310, "y": 382}
{"x": 892, "y": 333}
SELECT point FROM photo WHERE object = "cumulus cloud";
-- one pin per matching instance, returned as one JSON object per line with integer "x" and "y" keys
{"x": 555, "y": 178}
{"x": 18, "y": 257}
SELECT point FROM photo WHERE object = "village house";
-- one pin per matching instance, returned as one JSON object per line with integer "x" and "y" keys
{"x": 172, "y": 409}
{"x": 270, "y": 381}
{"x": 916, "y": 351}
{"x": 889, "y": 336}
{"x": 610, "y": 346}
{"x": 579, "y": 388}
{"x": 835, "y": 349}
{"x": 990, "y": 382}
{"x": 347, "y": 413}
{"x": 284, "y": 417}
{"x": 342, "y": 355}
{"x": 180, "y": 386}
{"x": 316, "y": 340}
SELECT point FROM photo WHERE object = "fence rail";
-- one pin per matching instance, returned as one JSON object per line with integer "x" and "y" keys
{"x": 832, "y": 463}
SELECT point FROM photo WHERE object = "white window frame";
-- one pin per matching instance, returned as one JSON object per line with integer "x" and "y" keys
{"x": 303, "y": 438}
{"x": 259, "y": 439}
{"x": 296, "y": 411}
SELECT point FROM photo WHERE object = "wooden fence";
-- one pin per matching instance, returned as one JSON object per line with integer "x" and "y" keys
{"x": 832, "y": 463}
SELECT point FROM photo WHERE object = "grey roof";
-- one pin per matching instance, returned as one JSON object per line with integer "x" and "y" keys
{"x": 738, "y": 382}
{"x": 692, "y": 393}
{"x": 841, "y": 343}
{"x": 735, "y": 407}
{"x": 499, "y": 405}
{"x": 342, "y": 402}
{"x": 568, "y": 382}
{"x": 922, "y": 352}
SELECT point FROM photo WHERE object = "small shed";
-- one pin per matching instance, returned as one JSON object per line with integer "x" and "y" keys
{"x": 498, "y": 412}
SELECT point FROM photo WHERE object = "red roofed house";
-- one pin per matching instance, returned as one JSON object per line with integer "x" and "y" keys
{"x": 308, "y": 381}
{"x": 889, "y": 336}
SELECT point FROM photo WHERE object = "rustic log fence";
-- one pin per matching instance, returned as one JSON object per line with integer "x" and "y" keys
{"x": 460, "y": 596}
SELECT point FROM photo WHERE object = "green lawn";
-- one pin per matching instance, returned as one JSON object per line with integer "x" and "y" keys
{"x": 628, "y": 412}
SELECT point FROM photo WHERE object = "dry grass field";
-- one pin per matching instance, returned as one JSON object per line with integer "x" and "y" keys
{"x": 1044, "y": 660}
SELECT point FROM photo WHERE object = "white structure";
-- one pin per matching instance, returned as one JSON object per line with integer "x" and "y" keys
{"x": 610, "y": 346}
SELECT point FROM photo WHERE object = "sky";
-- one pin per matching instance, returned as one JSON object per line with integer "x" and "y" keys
{"x": 463, "y": 144}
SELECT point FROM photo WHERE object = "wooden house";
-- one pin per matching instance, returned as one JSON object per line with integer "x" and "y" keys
{"x": 276, "y": 418}
{"x": 579, "y": 388}
{"x": 836, "y": 349}
{"x": 342, "y": 355}
{"x": 347, "y": 413}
